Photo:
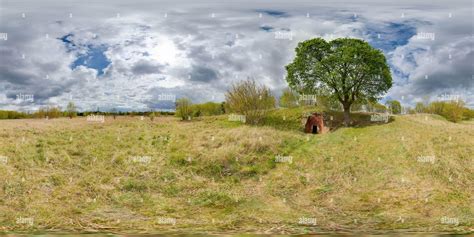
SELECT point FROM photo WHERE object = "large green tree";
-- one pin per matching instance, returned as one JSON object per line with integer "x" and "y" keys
{"x": 347, "y": 69}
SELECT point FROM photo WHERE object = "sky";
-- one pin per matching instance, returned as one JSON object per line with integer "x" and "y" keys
{"x": 142, "y": 55}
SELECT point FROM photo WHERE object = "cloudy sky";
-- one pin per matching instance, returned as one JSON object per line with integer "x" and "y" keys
{"x": 140, "y": 55}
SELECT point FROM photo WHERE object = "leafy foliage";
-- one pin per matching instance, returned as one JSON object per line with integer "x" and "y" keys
{"x": 249, "y": 99}
{"x": 71, "y": 110}
{"x": 453, "y": 111}
{"x": 347, "y": 69}
{"x": 208, "y": 109}
{"x": 184, "y": 108}
{"x": 394, "y": 106}
{"x": 5, "y": 114}
{"x": 289, "y": 99}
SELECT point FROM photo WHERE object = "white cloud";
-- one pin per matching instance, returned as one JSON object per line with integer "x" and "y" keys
{"x": 193, "y": 53}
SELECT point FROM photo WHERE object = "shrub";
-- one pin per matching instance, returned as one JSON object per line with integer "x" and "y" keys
{"x": 420, "y": 107}
{"x": 184, "y": 108}
{"x": 453, "y": 111}
{"x": 289, "y": 99}
{"x": 394, "y": 106}
{"x": 49, "y": 111}
{"x": 436, "y": 107}
{"x": 376, "y": 107}
{"x": 152, "y": 115}
{"x": 207, "y": 109}
{"x": 249, "y": 99}
{"x": 71, "y": 110}
{"x": 468, "y": 114}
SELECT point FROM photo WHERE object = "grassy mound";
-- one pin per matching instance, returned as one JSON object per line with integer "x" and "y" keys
{"x": 293, "y": 119}
{"x": 128, "y": 175}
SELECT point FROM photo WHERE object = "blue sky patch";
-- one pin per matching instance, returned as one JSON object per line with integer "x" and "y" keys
{"x": 67, "y": 40}
{"x": 390, "y": 36}
{"x": 94, "y": 57}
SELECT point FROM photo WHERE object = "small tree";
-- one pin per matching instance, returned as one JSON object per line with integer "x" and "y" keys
{"x": 289, "y": 98}
{"x": 71, "y": 110}
{"x": 54, "y": 112}
{"x": 152, "y": 115}
{"x": 249, "y": 99}
{"x": 183, "y": 108}
{"x": 420, "y": 107}
{"x": 394, "y": 106}
{"x": 114, "y": 112}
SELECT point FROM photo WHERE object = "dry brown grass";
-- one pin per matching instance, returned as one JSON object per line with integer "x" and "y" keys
{"x": 213, "y": 175}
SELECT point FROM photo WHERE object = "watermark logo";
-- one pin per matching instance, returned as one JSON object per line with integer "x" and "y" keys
{"x": 237, "y": 118}
{"x": 379, "y": 118}
{"x": 4, "y": 36}
{"x": 449, "y": 97}
{"x": 449, "y": 220}
{"x": 308, "y": 99}
{"x": 25, "y": 97}
{"x": 426, "y": 159}
{"x": 167, "y": 97}
{"x": 425, "y": 35}
{"x": 166, "y": 221}
{"x": 283, "y": 159}
{"x": 307, "y": 221}
{"x": 3, "y": 160}
{"x": 96, "y": 118}
{"x": 140, "y": 159}
{"x": 23, "y": 220}
{"x": 284, "y": 35}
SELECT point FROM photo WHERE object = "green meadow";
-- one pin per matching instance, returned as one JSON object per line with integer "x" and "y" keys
{"x": 414, "y": 173}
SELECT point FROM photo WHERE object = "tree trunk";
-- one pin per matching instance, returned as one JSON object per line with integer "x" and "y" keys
{"x": 347, "y": 116}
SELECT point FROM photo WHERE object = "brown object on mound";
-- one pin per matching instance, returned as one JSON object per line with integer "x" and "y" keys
{"x": 315, "y": 124}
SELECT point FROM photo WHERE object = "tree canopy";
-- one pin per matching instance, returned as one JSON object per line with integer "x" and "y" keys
{"x": 347, "y": 69}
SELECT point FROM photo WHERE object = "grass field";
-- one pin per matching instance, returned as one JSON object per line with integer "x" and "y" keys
{"x": 415, "y": 173}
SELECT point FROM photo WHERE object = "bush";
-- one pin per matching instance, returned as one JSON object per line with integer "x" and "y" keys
{"x": 453, "y": 111}
{"x": 184, "y": 108}
{"x": 207, "y": 109}
{"x": 249, "y": 99}
{"x": 373, "y": 106}
{"x": 71, "y": 110}
{"x": 394, "y": 106}
{"x": 289, "y": 99}
{"x": 468, "y": 114}
{"x": 420, "y": 107}
{"x": 152, "y": 115}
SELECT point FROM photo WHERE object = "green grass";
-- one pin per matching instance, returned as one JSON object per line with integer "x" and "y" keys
{"x": 220, "y": 176}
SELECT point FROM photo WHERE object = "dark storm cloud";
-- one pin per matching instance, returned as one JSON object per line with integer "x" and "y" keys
{"x": 146, "y": 67}
{"x": 203, "y": 74}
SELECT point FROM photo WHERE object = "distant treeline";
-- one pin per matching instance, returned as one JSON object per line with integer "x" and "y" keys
{"x": 196, "y": 110}
{"x": 56, "y": 112}
{"x": 7, "y": 114}
{"x": 454, "y": 111}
